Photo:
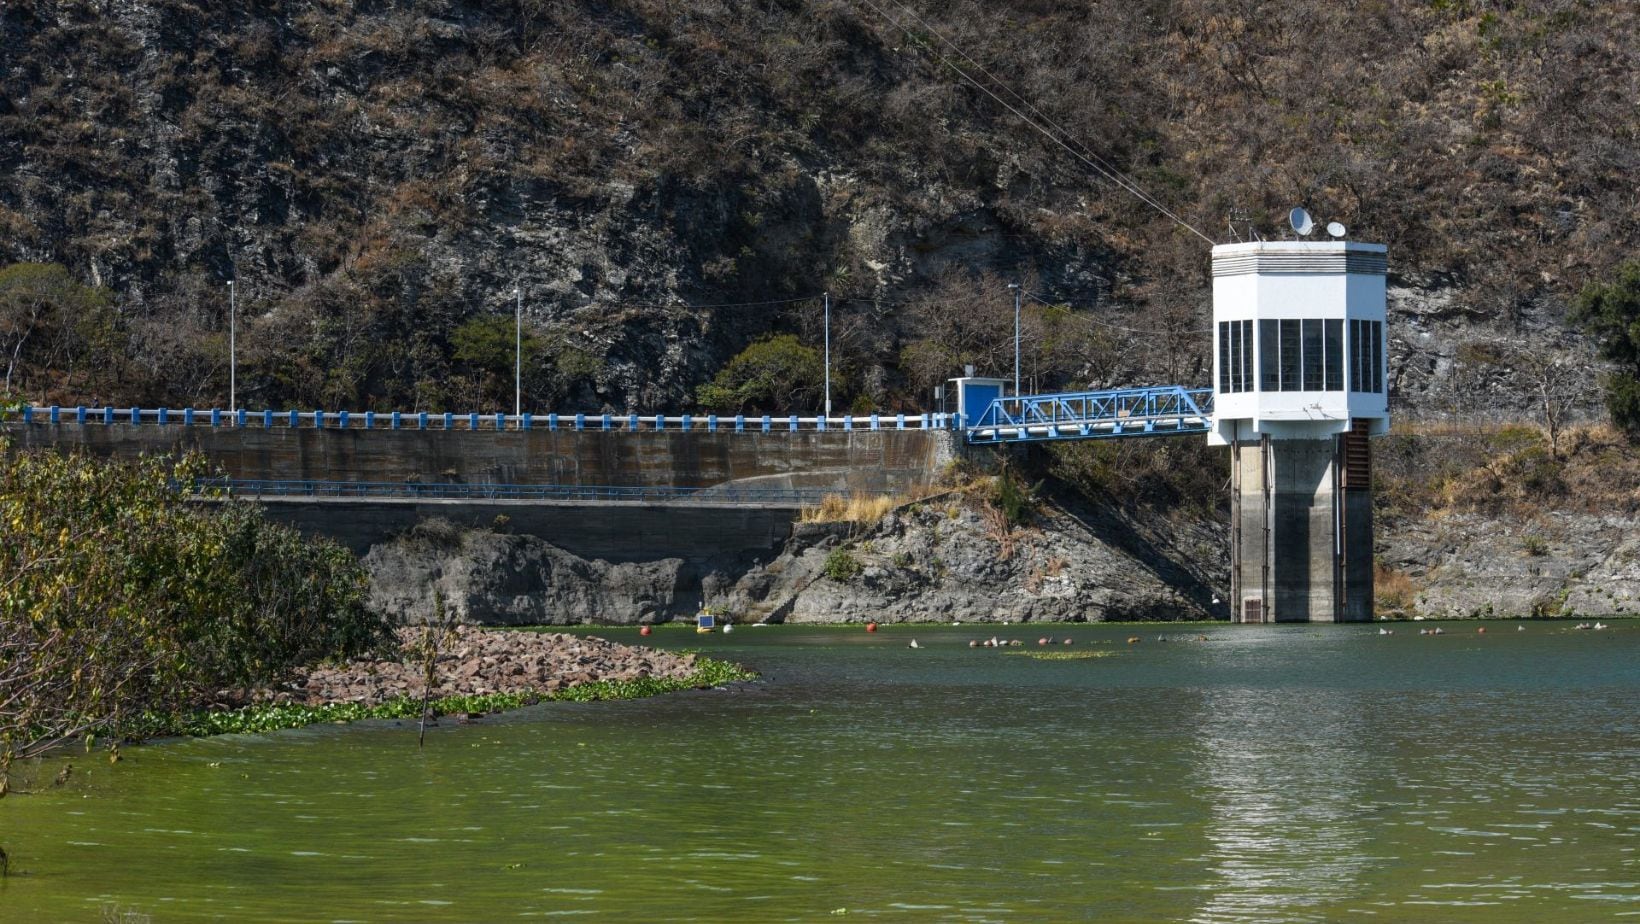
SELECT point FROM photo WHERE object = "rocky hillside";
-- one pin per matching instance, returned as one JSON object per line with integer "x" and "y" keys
{"x": 379, "y": 177}
{"x": 945, "y": 558}
{"x": 1502, "y": 521}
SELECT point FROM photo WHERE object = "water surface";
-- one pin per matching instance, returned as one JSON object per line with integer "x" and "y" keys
{"x": 1265, "y": 774}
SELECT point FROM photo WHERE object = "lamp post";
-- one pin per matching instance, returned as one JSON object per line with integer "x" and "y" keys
{"x": 827, "y": 298}
{"x": 233, "y": 351}
{"x": 1015, "y": 287}
{"x": 518, "y": 354}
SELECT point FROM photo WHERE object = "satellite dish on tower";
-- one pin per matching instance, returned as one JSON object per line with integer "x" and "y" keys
{"x": 1336, "y": 229}
{"x": 1301, "y": 221}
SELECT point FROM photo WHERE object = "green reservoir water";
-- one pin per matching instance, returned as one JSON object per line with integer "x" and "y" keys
{"x": 1266, "y": 774}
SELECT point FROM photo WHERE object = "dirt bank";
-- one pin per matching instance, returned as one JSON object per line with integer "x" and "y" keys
{"x": 474, "y": 661}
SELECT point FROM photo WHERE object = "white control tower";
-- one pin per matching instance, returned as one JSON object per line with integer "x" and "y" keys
{"x": 1299, "y": 385}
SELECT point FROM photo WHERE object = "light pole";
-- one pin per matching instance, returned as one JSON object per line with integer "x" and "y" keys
{"x": 233, "y": 352}
{"x": 518, "y": 355}
{"x": 827, "y": 297}
{"x": 1015, "y": 287}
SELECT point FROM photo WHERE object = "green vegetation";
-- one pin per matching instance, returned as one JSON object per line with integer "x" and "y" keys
{"x": 1083, "y": 655}
{"x": 777, "y": 375}
{"x": 1611, "y": 311}
{"x": 272, "y": 717}
{"x": 1015, "y": 500}
{"x": 120, "y": 600}
{"x": 490, "y": 345}
{"x": 841, "y": 565}
{"x": 55, "y": 332}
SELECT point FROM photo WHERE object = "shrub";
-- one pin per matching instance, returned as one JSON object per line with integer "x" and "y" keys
{"x": 1014, "y": 499}
{"x": 842, "y": 566}
{"x": 123, "y": 600}
{"x": 1394, "y": 592}
{"x": 1611, "y": 312}
{"x": 776, "y": 375}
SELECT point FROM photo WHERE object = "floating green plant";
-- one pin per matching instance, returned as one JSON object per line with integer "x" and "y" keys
{"x": 274, "y": 716}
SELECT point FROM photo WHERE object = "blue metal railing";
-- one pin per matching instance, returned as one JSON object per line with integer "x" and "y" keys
{"x": 717, "y": 494}
{"x": 473, "y": 421}
{"x": 1159, "y": 411}
{"x": 1162, "y": 410}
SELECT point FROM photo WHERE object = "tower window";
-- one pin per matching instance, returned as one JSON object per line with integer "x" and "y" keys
{"x": 1367, "y": 356}
{"x": 1301, "y": 355}
{"x": 1235, "y": 356}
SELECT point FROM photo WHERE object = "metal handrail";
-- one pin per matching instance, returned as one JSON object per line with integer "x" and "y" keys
{"x": 306, "y": 488}
{"x": 472, "y": 421}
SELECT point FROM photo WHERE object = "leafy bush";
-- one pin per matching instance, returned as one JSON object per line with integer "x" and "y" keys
{"x": 776, "y": 375}
{"x": 842, "y": 566}
{"x": 1013, "y": 498}
{"x": 120, "y": 597}
{"x": 1611, "y": 312}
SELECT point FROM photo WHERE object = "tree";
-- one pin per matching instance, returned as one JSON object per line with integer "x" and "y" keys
{"x": 776, "y": 375}
{"x": 48, "y": 316}
{"x": 1611, "y": 311}
{"x": 488, "y": 345}
{"x": 123, "y": 603}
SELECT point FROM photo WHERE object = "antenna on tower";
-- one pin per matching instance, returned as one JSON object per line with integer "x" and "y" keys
{"x": 1301, "y": 221}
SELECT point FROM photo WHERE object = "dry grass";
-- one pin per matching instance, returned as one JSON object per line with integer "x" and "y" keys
{"x": 1395, "y": 592}
{"x": 857, "y": 508}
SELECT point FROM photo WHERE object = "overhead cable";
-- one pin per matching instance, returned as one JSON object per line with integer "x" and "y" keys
{"x": 1035, "y": 297}
{"x": 1098, "y": 164}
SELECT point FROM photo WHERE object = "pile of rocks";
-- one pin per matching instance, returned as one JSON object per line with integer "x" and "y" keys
{"x": 477, "y": 661}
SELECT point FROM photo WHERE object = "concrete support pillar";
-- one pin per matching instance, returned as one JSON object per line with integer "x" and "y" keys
{"x": 1301, "y": 530}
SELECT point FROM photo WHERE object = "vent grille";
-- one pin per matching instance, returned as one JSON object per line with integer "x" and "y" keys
{"x": 1252, "y": 610}
{"x": 1301, "y": 263}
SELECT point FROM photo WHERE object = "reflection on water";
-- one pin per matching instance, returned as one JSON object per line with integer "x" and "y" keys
{"x": 1268, "y": 774}
{"x": 1285, "y": 773}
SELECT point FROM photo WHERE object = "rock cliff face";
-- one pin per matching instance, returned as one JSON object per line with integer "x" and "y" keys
{"x": 489, "y": 578}
{"x": 376, "y": 175}
{"x": 936, "y": 560}
{"x": 1564, "y": 563}
{"x": 948, "y": 561}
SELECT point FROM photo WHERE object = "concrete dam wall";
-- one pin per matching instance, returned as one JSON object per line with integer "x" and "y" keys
{"x": 882, "y": 461}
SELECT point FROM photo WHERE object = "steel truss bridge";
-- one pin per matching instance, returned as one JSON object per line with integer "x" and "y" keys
{"x": 1164, "y": 410}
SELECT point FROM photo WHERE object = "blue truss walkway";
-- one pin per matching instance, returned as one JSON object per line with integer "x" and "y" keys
{"x": 1164, "y": 410}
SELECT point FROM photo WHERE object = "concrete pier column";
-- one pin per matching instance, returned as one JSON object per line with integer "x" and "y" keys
{"x": 1302, "y": 530}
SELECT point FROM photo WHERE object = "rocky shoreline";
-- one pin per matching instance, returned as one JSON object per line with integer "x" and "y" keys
{"x": 475, "y": 662}
{"x": 936, "y": 561}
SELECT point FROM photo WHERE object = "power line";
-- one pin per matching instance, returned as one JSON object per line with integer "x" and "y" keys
{"x": 684, "y": 305}
{"x": 1131, "y": 330}
{"x": 1098, "y": 164}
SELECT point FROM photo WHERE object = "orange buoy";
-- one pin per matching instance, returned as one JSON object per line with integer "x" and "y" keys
{"x": 645, "y": 630}
{"x": 1042, "y": 641}
{"x": 1481, "y": 631}
{"x": 871, "y": 627}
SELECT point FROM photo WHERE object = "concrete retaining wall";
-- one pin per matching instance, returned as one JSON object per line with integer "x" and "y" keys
{"x": 874, "y": 461}
{"x": 616, "y": 532}
{"x": 890, "y": 461}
